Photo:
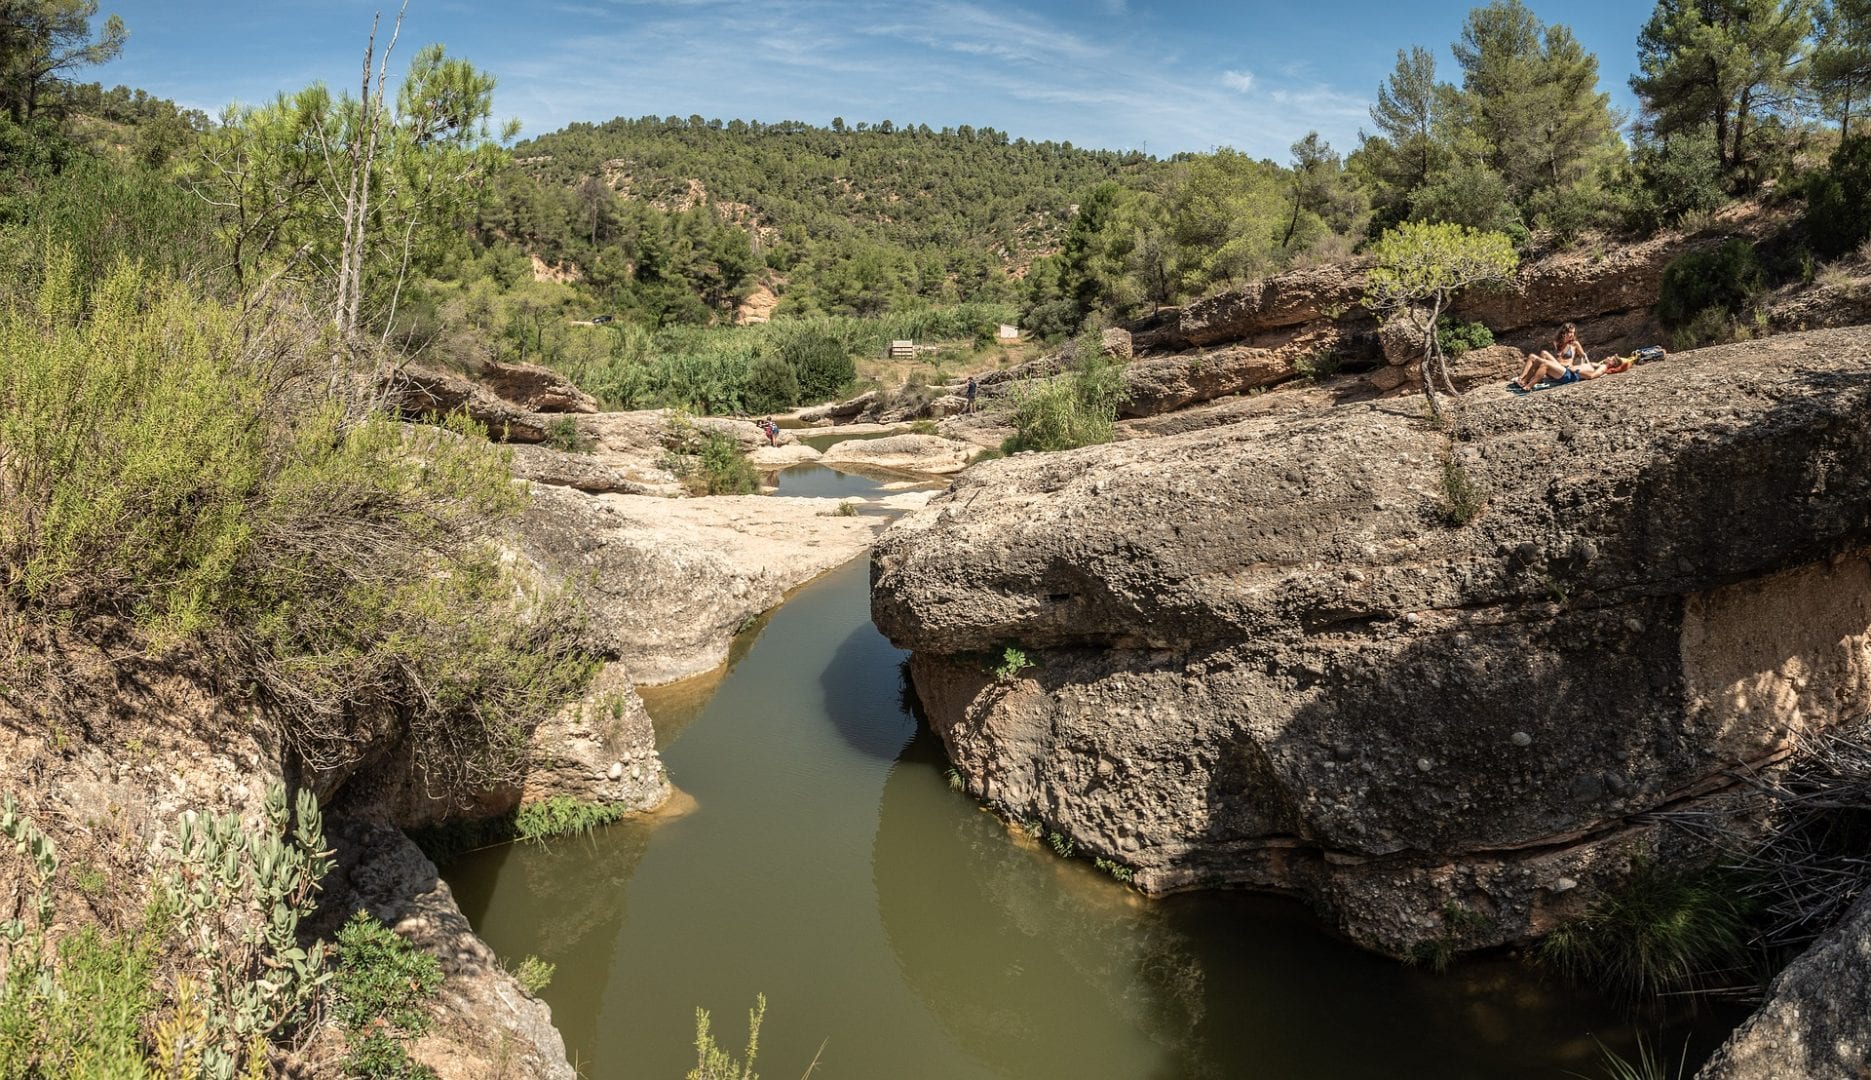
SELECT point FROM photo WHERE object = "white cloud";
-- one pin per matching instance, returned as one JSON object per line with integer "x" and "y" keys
{"x": 1242, "y": 81}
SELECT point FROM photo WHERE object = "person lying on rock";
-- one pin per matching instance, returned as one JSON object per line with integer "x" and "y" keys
{"x": 1566, "y": 362}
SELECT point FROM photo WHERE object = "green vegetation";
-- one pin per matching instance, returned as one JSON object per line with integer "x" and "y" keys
{"x": 1420, "y": 268}
{"x": 562, "y": 434}
{"x": 1838, "y": 216}
{"x": 1462, "y": 498}
{"x": 714, "y": 1063}
{"x": 1076, "y": 408}
{"x": 1012, "y": 663}
{"x": 534, "y": 974}
{"x": 213, "y": 972}
{"x": 534, "y": 822}
{"x": 1703, "y": 292}
{"x": 1663, "y": 930}
{"x": 1062, "y": 845}
{"x": 1455, "y": 336}
{"x": 1117, "y": 870}
{"x": 381, "y": 992}
{"x": 710, "y": 462}
{"x": 1649, "y": 1064}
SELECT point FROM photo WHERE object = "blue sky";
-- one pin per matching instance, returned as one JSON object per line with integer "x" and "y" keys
{"x": 1125, "y": 74}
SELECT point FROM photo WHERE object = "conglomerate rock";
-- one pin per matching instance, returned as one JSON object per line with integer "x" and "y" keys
{"x": 1816, "y": 1022}
{"x": 1263, "y": 654}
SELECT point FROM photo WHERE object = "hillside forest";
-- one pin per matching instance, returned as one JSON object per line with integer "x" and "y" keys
{"x": 740, "y": 266}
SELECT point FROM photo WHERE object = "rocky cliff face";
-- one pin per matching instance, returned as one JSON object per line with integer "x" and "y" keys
{"x": 1264, "y": 655}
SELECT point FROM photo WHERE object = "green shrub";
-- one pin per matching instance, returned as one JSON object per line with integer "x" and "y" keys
{"x": 1663, "y": 930}
{"x": 183, "y": 472}
{"x": 724, "y": 469}
{"x": 1679, "y": 178}
{"x": 1322, "y": 364}
{"x": 534, "y": 974}
{"x": 1726, "y": 278}
{"x": 563, "y": 434}
{"x": 1012, "y": 662}
{"x": 714, "y": 1063}
{"x": 382, "y": 979}
{"x": 1838, "y": 200}
{"x": 772, "y": 386}
{"x": 821, "y": 360}
{"x": 1457, "y": 337}
{"x": 563, "y": 815}
{"x": 1462, "y": 498}
{"x": 1078, "y": 408}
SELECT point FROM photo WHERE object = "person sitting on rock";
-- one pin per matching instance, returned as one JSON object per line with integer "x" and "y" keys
{"x": 1566, "y": 362}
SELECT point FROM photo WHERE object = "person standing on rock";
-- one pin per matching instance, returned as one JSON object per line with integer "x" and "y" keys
{"x": 971, "y": 393}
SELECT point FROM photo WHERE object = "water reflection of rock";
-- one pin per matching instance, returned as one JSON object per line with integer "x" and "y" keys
{"x": 674, "y": 706}
{"x": 1030, "y": 963}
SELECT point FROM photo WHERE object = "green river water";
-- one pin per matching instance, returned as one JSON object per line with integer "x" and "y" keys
{"x": 821, "y": 858}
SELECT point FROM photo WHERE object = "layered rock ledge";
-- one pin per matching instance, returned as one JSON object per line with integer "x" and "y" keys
{"x": 1262, "y": 655}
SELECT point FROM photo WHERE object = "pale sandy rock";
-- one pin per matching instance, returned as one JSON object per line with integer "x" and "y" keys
{"x": 1262, "y": 656}
{"x": 782, "y": 457}
{"x": 1157, "y": 385}
{"x": 596, "y": 471}
{"x": 905, "y": 453}
{"x": 1289, "y": 299}
{"x": 425, "y": 393}
{"x": 670, "y": 581}
{"x": 1115, "y": 343}
{"x": 1402, "y": 337}
{"x": 1487, "y": 367}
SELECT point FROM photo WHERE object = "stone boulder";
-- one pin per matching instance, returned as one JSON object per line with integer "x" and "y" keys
{"x": 782, "y": 457}
{"x": 1158, "y": 385}
{"x": 1402, "y": 339}
{"x": 1491, "y": 366}
{"x": 903, "y": 453}
{"x": 536, "y": 389}
{"x": 843, "y": 410}
{"x": 428, "y": 393}
{"x": 1264, "y": 655}
{"x": 1294, "y": 298}
{"x": 1115, "y": 343}
{"x": 1816, "y": 1022}
{"x": 584, "y": 472}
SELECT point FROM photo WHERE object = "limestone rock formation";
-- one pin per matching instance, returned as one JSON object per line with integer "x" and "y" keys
{"x": 903, "y": 453}
{"x": 1157, "y": 385}
{"x": 590, "y": 472}
{"x": 669, "y": 582}
{"x": 1290, "y": 299}
{"x": 536, "y": 389}
{"x": 1816, "y": 1023}
{"x": 1264, "y": 655}
{"x": 424, "y": 393}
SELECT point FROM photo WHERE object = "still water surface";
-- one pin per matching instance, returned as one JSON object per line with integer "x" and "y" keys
{"x": 825, "y": 862}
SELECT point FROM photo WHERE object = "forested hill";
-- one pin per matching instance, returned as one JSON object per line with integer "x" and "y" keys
{"x": 955, "y": 214}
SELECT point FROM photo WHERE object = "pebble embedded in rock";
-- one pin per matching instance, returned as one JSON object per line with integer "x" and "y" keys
{"x": 617, "y": 770}
{"x": 1521, "y": 738}
{"x": 1423, "y": 764}
{"x": 1565, "y": 884}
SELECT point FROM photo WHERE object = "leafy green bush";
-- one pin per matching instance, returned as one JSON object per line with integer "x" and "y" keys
{"x": 1457, "y": 337}
{"x": 382, "y": 977}
{"x": 185, "y": 474}
{"x": 1726, "y": 278}
{"x": 821, "y": 360}
{"x": 1078, "y": 408}
{"x": 1012, "y": 662}
{"x": 1838, "y": 201}
{"x": 534, "y": 974}
{"x": 562, "y": 434}
{"x": 1680, "y": 177}
{"x": 772, "y": 386}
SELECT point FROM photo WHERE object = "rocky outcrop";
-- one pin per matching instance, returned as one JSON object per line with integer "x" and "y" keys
{"x": 930, "y": 454}
{"x": 1263, "y": 655}
{"x": 1159, "y": 385}
{"x": 1816, "y": 1023}
{"x": 1312, "y": 294}
{"x": 669, "y": 582}
{"x": 485, "y": 1024}
{"x": 536, "y": 389}
{"x": 782, "y": 457}
{"x": 590, "y": 472}
{"x": 426, "y": 393}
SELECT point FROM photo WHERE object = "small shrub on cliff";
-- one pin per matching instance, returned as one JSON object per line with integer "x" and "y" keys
{"x": 1724, "y": 279}
{"x": 562, "y": 434}
{"x": 380, "y": 997}
{"x": 534, "y": 974}
{"x": 1012, "y": 662}
{"x": 710, "y": 462}
{"x": 1462, "y": 498}
{"x": 1457, "y": 337}
{"x": 1075, "y": 409}
{"x": 1663, "y": 930}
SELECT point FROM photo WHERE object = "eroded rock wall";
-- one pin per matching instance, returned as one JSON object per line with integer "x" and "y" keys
{"x": 1262, "y": 654}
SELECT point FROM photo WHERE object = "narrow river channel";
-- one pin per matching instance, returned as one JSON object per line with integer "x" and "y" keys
{"x": 826, "y": 862}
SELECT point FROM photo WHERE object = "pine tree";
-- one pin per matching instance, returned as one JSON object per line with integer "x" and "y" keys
{"x": 1841, "y": 59}
{"x": 1723, "y": 63}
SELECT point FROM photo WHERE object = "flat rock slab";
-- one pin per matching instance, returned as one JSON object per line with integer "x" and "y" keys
{"x": 782, "y": 457}
{"x": 930, "y": 454}
{"x": 670, "y": 582}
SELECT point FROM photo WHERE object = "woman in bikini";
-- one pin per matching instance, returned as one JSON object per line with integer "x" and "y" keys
{"x": 1566, "y": 362}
